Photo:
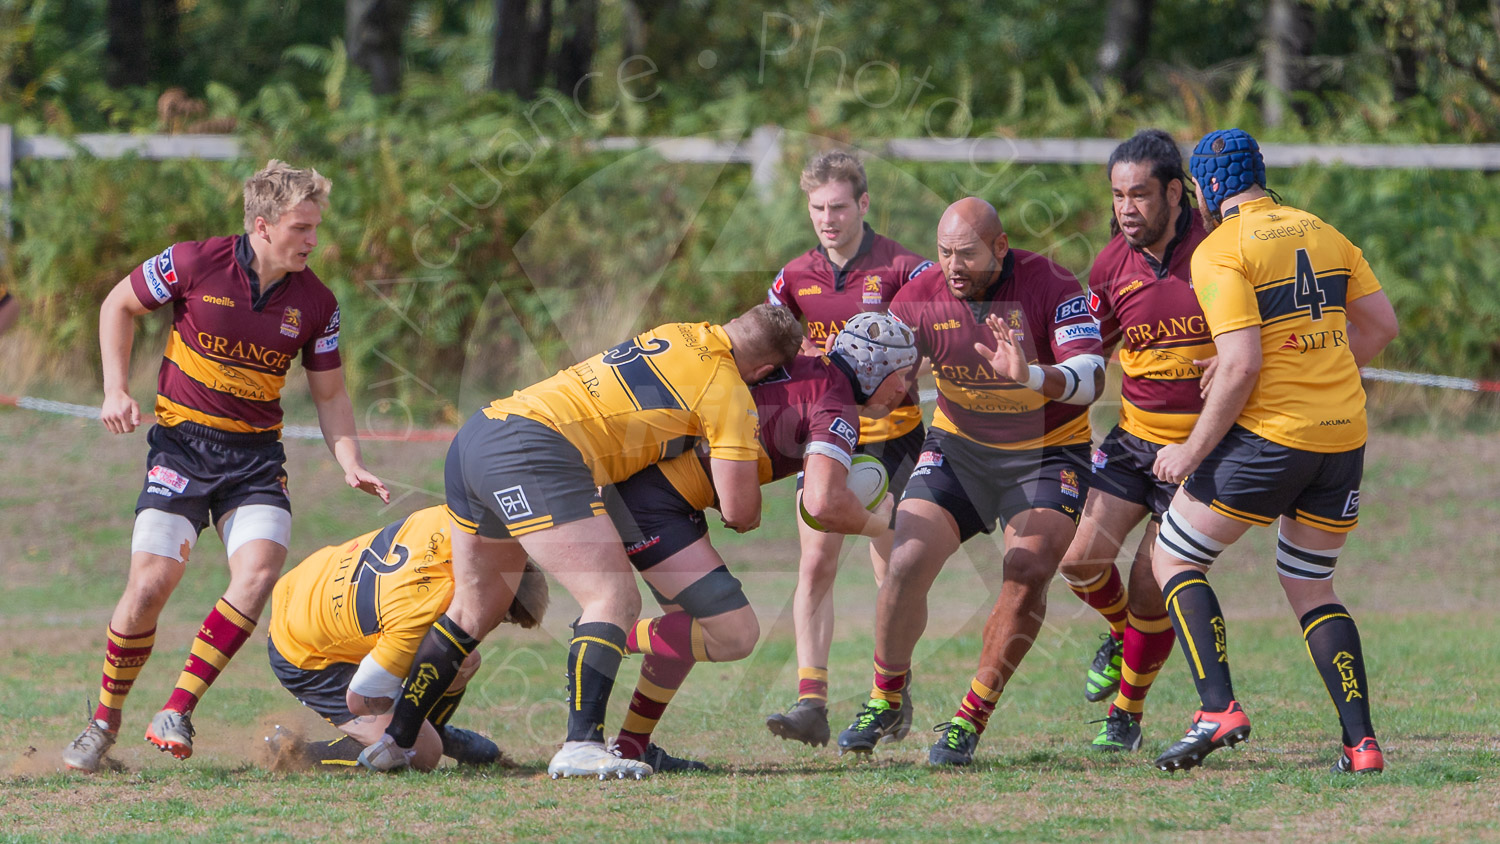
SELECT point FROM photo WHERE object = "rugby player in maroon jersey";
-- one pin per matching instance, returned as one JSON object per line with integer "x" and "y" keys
{"x": 1017, "y": 360}
{"x": 243, "y": 308}
{"x": 852, "y": 270}
{"x": 809, "y": 424}
{"x": 1140, "y": 290}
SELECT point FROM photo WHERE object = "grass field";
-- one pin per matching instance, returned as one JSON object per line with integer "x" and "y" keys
{"x": 1419, "y": 576}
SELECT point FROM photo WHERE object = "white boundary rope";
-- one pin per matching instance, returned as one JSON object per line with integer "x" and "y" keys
{"x": 311, "y": 432}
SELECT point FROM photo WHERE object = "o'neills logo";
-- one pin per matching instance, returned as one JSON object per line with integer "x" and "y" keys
{"x": 223, "y": 301}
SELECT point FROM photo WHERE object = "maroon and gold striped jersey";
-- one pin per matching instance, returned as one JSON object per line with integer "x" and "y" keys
{"x": 824, "y": 297}
{"x": 1033, "y": 294}
{"x": 1150, "y": 311}
{"x": 232, "y": 343}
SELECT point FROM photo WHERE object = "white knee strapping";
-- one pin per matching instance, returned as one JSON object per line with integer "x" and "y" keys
{"x": 1185, "y": 542}
{"x": 255, "y": 521}
{"x": 163, "y": 534}
{"x": 1298, "y": 563}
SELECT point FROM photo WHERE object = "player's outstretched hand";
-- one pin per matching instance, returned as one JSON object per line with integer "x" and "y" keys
{"x": 360, "y": 478}
{"x": 120, "y": 413}
{"x": 1007, "y": 357}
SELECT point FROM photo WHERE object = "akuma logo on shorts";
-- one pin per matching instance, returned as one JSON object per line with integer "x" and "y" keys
{"x": 1351, "y": 505}
{"x": 513, "y": 503}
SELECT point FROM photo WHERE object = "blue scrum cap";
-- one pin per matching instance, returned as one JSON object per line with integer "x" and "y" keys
{"x": 1233, "y": 158}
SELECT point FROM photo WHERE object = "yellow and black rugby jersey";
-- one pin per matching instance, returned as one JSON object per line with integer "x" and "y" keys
{"x": 646, "y": 400}
{"x": 1292, "y": 274}
{"x": 377, "y": 594}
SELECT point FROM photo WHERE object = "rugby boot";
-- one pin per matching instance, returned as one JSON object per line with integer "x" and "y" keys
{"x": 1103, "y": 678}
{"x": 1119, "y": 733}
{"x": 86, "y": 752}
{"x": 955, "y": 746}
{"x": 1363, "y": 758}
{"x": 593, "y": 759}
{"x": 903, "y": 727}
{"x": 172, "y": 732}
{"x": 1210, "y": 731}
{"x": 806, "y": 721}
{"x": 876, "y": 720}
{"x": 663, "y": 762}
{"x": 467, "y": 747}
{"x": 385, "y": 756}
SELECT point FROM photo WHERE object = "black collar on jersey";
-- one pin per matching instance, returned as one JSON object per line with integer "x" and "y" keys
{"x": 1184, "y": 222}
{"x": 848, "y": 369}
{"x": 1007, "y": 271}
{"x": 866, "y": 243}
{"x": 245, "y": 257}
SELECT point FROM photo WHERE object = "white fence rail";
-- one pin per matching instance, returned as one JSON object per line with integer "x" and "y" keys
{"x": 762, "y": 150}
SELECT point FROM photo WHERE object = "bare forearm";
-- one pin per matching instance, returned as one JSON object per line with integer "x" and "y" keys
{"x": 116, "y": 336}
{"x": 336, "y": 420}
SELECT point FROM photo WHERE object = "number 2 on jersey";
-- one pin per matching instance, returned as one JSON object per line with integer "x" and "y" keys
{"x": 372, "y": 564}
{"x": 1306, "y": 293}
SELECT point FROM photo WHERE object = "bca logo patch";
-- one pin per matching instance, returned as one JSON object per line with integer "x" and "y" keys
{"x": 848, "y": 432}
{"x": 513, "y": 503}
{"x": 1351, "y": 505}
{"x": 1075, "y": 307}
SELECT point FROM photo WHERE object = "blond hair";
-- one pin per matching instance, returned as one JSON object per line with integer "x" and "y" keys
{"x": 834, "y": 165}
{"x": 767, "y": 334}
{"x": 278, "y": 188}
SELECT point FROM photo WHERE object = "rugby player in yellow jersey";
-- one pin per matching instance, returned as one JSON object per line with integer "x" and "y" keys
{"x": 523, "y": 477}
{"x": 345, "y": 625}
{"x": 1295, "y": 311}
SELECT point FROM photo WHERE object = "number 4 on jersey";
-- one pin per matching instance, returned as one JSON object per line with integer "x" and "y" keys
{"x": 1306, "y": 293}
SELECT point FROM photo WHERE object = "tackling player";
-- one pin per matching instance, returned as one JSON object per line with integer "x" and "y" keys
{"x": 853, "y": 270}
{"x": 810, "y": 413}
{"x": 346, "y": 622}
{"x": 1141, "y": 292}
{"x": 1009, "y": 442}
{"x": 523, "y": 477}
{"x": 1295, "y": 311}
{"x": 243, "y": 308}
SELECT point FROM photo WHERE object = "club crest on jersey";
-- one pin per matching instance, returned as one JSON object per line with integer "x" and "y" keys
{"x": 843, "y": 429}
{"x": 1069, "y": 479}
{"x": 1014, "y": 320}
{"x": 1075, "y": 307}
{"x": 291, "y": 322}
{"x": 872, "y": 290}
{"x": 167, "y": 478}
{"x": 513, "y": 503}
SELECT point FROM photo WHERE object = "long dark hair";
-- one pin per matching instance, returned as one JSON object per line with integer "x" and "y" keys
{"x": 1156, "y": 147}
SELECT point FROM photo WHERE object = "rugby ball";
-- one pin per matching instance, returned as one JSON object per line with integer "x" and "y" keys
{"x": 867, "y": 480}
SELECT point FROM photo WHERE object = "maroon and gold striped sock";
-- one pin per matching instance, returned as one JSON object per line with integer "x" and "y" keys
{"x": 1106, "y": 594}
{"x": 675, "y": 635}
{"x": 125, "y": 654}
{"x": 223, "y": 632}
{"x": 890, "y": 682}
{"x": 812, "y": 684}
{"x": 661, "y": 677}
{"x": 1148, "y": 644}
{"x": 979, "y": 705}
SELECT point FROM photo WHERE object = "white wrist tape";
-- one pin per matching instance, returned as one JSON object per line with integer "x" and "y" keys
{"x": 1035, "y": 377}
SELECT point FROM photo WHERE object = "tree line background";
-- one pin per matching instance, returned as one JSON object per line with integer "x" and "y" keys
{"x": 474, "y": 239}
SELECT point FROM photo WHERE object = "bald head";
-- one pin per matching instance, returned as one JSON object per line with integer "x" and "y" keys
{"x": 971, "y": 246}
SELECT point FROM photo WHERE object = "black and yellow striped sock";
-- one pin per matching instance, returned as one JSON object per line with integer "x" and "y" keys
{"x": 1333, "y": 643}
{"x": 1195, "y": 613}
